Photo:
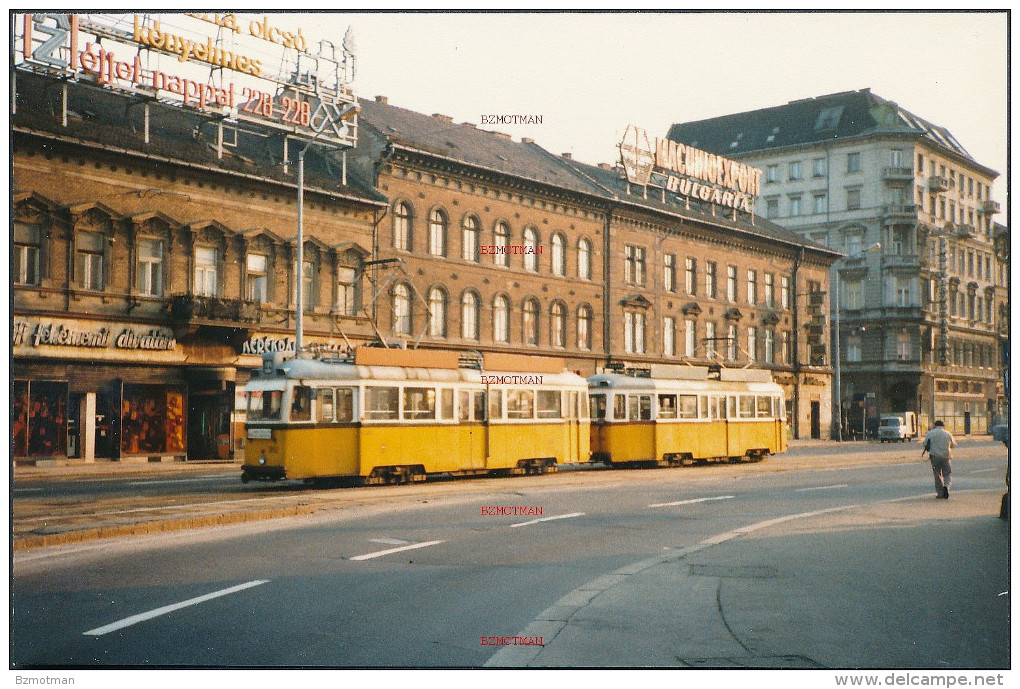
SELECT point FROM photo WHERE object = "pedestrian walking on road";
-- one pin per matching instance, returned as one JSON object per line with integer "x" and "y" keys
{"x": 939, "y": 444}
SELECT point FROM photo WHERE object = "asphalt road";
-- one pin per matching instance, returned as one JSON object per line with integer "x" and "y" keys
{"x": 814, "y": 565}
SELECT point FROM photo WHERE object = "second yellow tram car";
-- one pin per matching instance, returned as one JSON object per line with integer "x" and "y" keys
{"x": 393, "y": 416}
{"x": 676, "y": 415}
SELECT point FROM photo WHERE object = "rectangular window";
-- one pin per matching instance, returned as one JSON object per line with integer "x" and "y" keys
{"x": 821, "y": 203}
{"x": 27, "y": 243}
{"x": 770, "y": 346}
{"x": 691, "y": 276}
{"x": 731, "y": 283}
{"x": 301, "y": 403}
{"x": 668, "y": 336}
{"x": 346, "y": 291}
{"x": 257, "y": 278}
{"x": 446, "y": 404}
{"x": 669, "y": 273}
{"x": 495, "y": 404}
{"x": 853, "y": 199}
{"x": 853, "y": 348}
{"x": 667, "y": 407}
{"x": 690, "y": 337}
{"x": 640, "y": 407}
{"x": 688, "y": 406}
{"x": 771, "y": 208}
{"x": 344, "y": 405}
{"x": 772, "y": 173}
{"x": 818, "y": 167}
{"x": 770, "y": 290}
{"x": 419, "y": 403}
{"x": 520, "y": 404}
{"x": 752, "y": 343}
{"x": 635, "y": 272}
{"x": 150, "y": 267}
{"x": 794, "y": 206}
{"x": 710, "y": 267}
{"x": 853, "y": 244}
{"x": 752, "y": 287}
{"x": 89, "y": 260}
{"x": 731, "y": 343}
{"x": 549, "y": 404}
{"x": 710, "y": 340}
{"x": 382, "y": 402}
{"x": 853, "y": 294}
{"x": 205, "y": 271}
{"x": 853, "y": 162}
{"x": 903, "y": 346}
{"x": 794, "y": 170}
{"x": 324, "y": 405}
{"x": 634, "y": 335}
{"x": 786, "y": 292}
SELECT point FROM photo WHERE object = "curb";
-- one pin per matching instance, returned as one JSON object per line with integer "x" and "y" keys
{"x": 162, "y": 526}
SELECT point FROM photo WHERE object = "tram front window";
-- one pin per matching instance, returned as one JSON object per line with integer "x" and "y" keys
{"x": 598, "y": 407}
{"x": 265, "y": 405}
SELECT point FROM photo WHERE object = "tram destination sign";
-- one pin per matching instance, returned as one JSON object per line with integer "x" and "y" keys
{"x": 243, "y": 68}
{"x": 687, "y": 171}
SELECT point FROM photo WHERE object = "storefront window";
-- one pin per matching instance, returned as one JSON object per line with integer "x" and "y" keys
{"x": 152, "y": 420}
{"x": 19, "y": 418}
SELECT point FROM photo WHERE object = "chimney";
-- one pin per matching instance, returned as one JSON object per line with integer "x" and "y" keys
{"x": 568, "y": 156}
{"x": 527, "y": 140}
{"x": 468, "y": 124}
{"x": 605, "y": 166}
{"x": 502, "y": 135}
{"x": 382, "y": 99}
{"x": 442, "y": 118}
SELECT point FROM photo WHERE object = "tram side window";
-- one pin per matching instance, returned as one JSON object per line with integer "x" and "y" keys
{"x": 688, "y": 406}
{"x": 667, "y": 406}
{"x": 747, "y": 406}
{"x": 495, "y": 404}
{"x": 722, "y": 407}
{"x": 520, "y": 404}
{"x": 265, "y": 405}
{"x": 620, "y": 407}
{"x": 764, "y": 407}
{"x": 640, "y": 407}
{"x": 381, "y": 403}
{"x": 704, "y": 407}
{"x": 777, "y": 406}
{"x": 419, "y": 403}
{"x": 446, "y": 406}
{"x": 598, "y": 406}
{"x": 479, "y": 397}
{"x": 463, "y": 405}
{"x": 344, "y": 405}
{"x": 550, "y": 404}
{"x": 325, "y": 405}
{"x": 301, "y": 404}
{"x": 731, "y": 407}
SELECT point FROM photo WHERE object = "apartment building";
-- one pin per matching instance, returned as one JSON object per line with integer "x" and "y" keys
{"x": 923, "y": 300}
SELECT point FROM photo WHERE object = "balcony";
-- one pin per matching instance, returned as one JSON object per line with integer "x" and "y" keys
{"x": 901, "y": 261}
{"x": 898, "y": 174}
{"x": 964, "y": 231}
{"x": 990, "y": 207}
{"x": 186, "y": 310}
{"x": 938, "y": 184}
{"x": 900, "y": 213}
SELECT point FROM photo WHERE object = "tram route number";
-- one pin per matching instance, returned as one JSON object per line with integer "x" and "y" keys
{"x": 261, "y": 103}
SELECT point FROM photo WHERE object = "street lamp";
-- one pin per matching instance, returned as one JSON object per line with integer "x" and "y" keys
{"x": 839, "y": 388}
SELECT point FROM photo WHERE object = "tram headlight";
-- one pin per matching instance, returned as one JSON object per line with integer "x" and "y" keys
{"x": 262, "y": 458}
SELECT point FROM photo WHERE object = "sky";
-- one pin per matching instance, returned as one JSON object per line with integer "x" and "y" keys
{"x": 590, "y": 75}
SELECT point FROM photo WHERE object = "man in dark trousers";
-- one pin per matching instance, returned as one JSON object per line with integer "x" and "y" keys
{"x": 939, "y": 444}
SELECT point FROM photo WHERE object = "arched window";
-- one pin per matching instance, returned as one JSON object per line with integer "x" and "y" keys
{"x": 584, "y": 323}
{"x": 531, "y": 249}
{"x": 501, "y": 319}
{"x": 469, "y": 240}
{"x": 501, "y": 242}
{"x": 558, "y": 324}
{"x": 402, "y": 309}
{"x": 559, "y": 254}
{"x": 531, "y": 311}
{"x": 402, "y": 227}
{"x": 437, "y": 232}
{"x": 584, "y": 259}
{"x": 437, "y": 312}
{"x": 469, "y": 316}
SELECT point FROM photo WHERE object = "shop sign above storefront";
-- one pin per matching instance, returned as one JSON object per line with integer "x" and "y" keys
{"x": 26, "y": 333}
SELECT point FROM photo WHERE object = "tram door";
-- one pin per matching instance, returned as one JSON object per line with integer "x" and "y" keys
{"x": 573, "y": 428}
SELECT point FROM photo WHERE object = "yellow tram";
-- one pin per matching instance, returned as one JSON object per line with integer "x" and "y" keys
{"x": 674, "y": 415}
{"x": 393, "y": 416}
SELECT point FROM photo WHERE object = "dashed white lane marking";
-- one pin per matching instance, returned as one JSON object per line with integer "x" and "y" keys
{"x": 548, "y": 519}
{"x": 835, "y": 485}
{"x": 692, "y": 501}
{"x": 142, "y": 617}
{"x": 388, "y": 541}
{"x": 380, "y": 553}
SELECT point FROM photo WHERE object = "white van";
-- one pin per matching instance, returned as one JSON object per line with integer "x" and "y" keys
{"x": 901, "y": 426}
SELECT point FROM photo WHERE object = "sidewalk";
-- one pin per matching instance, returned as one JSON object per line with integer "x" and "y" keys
{"x": 832, "y": 589}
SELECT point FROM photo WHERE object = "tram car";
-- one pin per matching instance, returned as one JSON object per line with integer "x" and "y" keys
{"x": 677, "y": 415}
{"x": 395, "y": 416}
